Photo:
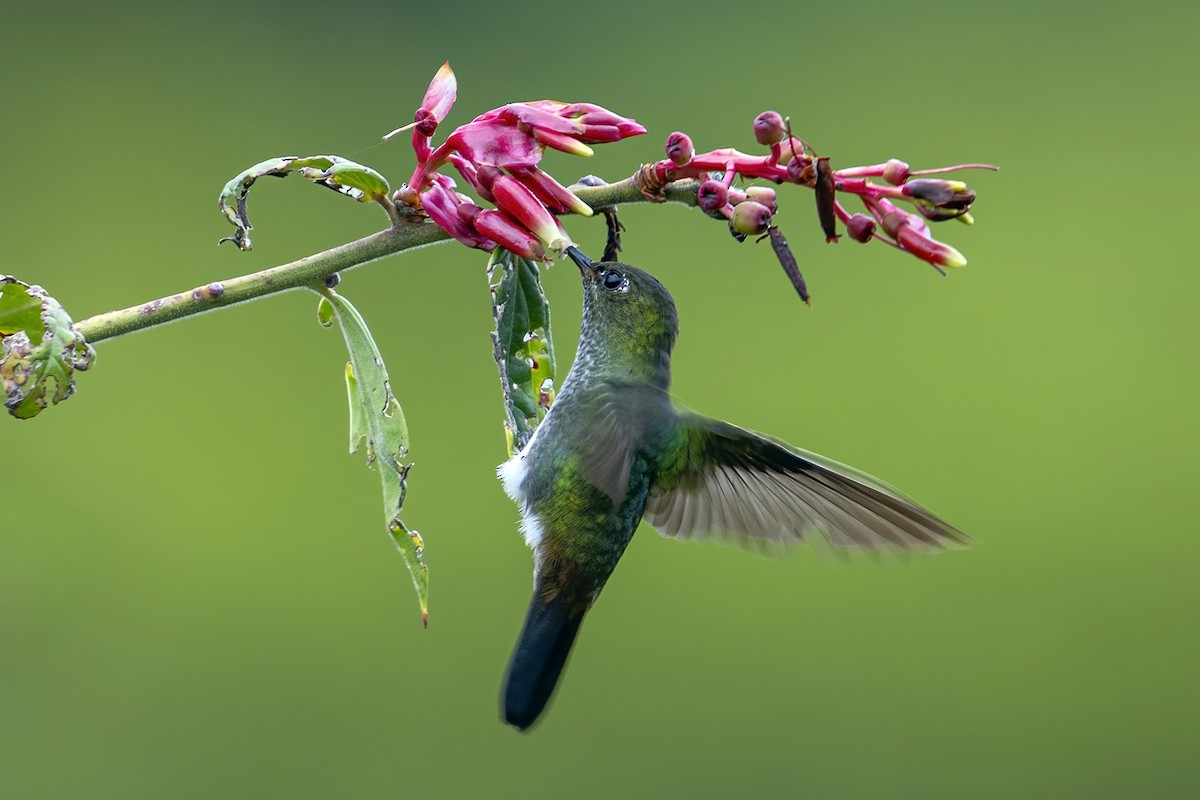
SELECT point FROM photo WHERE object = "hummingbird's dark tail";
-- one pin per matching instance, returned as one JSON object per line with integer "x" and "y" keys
{"x": 539, "y": 658}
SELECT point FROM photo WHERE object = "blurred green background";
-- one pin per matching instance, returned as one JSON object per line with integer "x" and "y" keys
{"x": 196, "y": 596}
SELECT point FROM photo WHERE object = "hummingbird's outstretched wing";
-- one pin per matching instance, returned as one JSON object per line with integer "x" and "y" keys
{"x": 724, "y": 479}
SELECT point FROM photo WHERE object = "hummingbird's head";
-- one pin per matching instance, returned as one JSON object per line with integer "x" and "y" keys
{"x": 628, "y": 316}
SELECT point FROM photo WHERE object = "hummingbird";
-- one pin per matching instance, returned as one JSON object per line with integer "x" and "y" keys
{"x": 613, "y": 450}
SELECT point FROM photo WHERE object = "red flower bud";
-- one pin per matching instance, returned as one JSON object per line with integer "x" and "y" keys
{"x": 913, "y": 235}
{"x": 468, "y": 212}
{"x": 895, "y": 171}
{"x": 561, "y": 142}
{"x": 550, "y": 191}
{"x": 509, "y": 235}
{"x": 712, "y": 195}
{"x": 441, "y": 205}
{"x": 471, "y": 175}
{"x": 769, "y": 128}
{"x": 523, "y": 206}
{"x": 680, "y": 148}
{"x": 860, "y": 228}
{"x": 425, "y": 123}
{"x": 600, "y": 134}
{"x": 536, "y": 115}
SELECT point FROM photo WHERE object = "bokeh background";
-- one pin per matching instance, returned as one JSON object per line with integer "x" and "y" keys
{"x": 196, "y": 596}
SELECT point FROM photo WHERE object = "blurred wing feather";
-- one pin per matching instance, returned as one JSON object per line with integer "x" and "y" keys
{"x": 759, "y": 491}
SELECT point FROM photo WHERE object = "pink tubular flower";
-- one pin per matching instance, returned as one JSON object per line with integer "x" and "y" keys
{"x": 912, "y": 234}
{"x": 509, "y": 234}
{"x": 498, "y": 153}
{"x": 441, "y": 204}
{"x": 520, "y": 203}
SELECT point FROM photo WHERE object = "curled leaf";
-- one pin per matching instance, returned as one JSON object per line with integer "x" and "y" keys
{"x": 41, "y": 349}
{"x": 333, "y": 172}
{"x": 377, "y": 420}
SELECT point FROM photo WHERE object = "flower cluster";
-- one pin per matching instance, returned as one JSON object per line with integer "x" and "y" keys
{"x": 791, "y": 160}
{"x": 498, "y": 153}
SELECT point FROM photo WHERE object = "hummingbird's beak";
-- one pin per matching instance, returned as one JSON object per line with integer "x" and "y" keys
{"x": 585, "y": 264}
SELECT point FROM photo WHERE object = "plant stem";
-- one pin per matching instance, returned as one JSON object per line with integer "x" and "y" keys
{"x": 313, "y": 269}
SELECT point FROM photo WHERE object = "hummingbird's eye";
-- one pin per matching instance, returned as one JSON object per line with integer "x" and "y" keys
{"x": 612, "y": 280}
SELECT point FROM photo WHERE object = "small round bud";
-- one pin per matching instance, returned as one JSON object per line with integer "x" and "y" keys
{"x": 680, "y": 149}
{"x": 426, "y": 123}
{"x": 750, "y": 218}
{"x": 860, "y": 228}
{"x": 764, "y": 195}
{"x": 712, "y": 195}
{"x": 895, "y": 171}
{"x": 769, "y": 128}
{"x": 735, "y": 195}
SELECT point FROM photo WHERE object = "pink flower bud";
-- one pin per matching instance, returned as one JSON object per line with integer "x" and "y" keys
{"x": 550, "y": 191}
{"x": 468, "y": 212}
{"x": 895, "y": 171}
{"x": 911, "y": 233}
{"x": 764, "y": 195}
{"x": 769, "y": 128}
{"x": 522, "y": 205}
{"x": 600, "y": 134}
{"x": 425, "y": 123}
{"x": 439, "y": 97}
{"x": 509, "y": 235}
{"x": 561, "y": 142}
{"x": 750, "y": 218}
{"x": 535, "y": 115}
{"x": 441, "y": 206}
{"x": 592, "y": 114}
{"x": 680, "y": 149}
{"x": 712, "y": 195}
{"x": 860, "y": 228}
{"x": 735, "y": 195}
{"x": 471, "y": 175}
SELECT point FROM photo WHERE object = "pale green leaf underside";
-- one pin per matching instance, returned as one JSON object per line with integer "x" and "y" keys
{"x": 377, "y": 421}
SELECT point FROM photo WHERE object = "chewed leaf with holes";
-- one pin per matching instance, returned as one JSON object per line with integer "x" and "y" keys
{"x": 333, "y": 172}
{"x": 41, "y": 349}
{"x": 523, "y": 349}
{"x": 377, "y": 421}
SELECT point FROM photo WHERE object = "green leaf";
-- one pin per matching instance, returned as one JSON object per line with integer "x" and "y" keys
{"x": 351, "y": 176}
{"x": 325, "y": 313}
{"x": 333, "y": 172}
{"x": 523, "y": 347}
{"x": 377, "y": 420}
{"x": 41, "y": 349}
